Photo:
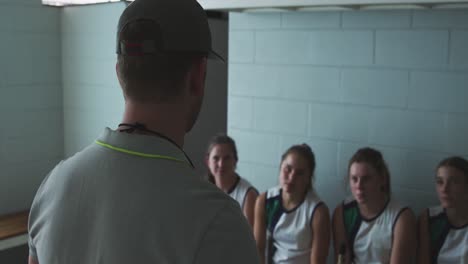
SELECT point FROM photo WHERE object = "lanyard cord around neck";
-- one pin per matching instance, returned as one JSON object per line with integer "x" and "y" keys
{"x": 142, "y": 127}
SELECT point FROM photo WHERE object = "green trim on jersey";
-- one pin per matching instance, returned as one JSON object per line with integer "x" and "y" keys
{"x": 352, "y": 221}
{"x": 439, "y": 228}
{"x": 272, "y": 208}
{"x": 351, "y": 218}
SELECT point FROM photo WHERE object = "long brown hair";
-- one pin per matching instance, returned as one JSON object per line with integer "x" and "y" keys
{"x": 373, "y": 158}
{"x": 217, "y": 140}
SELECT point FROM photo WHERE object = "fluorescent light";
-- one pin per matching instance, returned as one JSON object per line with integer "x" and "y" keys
{"x": 324, "y": 8}
{"x": 75, "y": 2}
{"x": 450, "y": 6}
{"x": 393, "y": 7}
{"x": 266, "y": 9}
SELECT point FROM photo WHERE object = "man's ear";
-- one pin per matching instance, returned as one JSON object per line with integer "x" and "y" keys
{"x": 117, "y": 71}
{"x": 197, "y": 76}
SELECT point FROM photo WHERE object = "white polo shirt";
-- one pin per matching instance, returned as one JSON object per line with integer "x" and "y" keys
{"x": 131, "y": 198}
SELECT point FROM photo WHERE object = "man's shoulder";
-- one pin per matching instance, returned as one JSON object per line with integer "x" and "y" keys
{"x": 199, "y": 192}
{"x": 228, "y": 238}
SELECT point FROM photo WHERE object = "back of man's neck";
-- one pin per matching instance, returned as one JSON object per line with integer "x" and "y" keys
{"x": 157, "y": 118}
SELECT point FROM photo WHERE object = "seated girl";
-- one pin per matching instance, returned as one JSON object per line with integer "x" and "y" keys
{"x": 443, "y": 229}
{"x": 292, "y": 225}
{"x": 221, "y": 160}
{"x": 370, "y": 226}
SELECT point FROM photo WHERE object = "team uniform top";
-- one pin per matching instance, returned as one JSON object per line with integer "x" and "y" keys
{"x": 370, "y": 239}
{"x": 240, "y": 189}
{"x": 289, "y": 232}
{"x": 449, "y": 244}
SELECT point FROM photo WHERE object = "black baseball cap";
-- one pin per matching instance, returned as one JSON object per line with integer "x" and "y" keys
{"x": 182, "y": 27}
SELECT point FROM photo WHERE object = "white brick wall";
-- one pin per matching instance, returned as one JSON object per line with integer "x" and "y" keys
{"x": 31, "y": 137}
{"x": 91, "y": 95}
{"x": 393, "y": 80}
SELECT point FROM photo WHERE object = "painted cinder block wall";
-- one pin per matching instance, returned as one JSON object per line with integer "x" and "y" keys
{"x": 31, "y": 134}
{"x": 92, "y": 98}
{"x": 394, "y": 80}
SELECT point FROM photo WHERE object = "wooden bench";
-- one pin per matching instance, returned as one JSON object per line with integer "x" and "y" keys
{"x": 13, "y": 230}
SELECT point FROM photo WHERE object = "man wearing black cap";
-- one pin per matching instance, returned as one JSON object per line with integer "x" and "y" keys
{"x": 132, "y": 196}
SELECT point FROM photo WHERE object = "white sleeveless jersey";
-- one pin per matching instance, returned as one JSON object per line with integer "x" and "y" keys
{"x": 240, "y": 190}
{"x": 289, "y": 233}
{"x": 370, "y": 239}
{"x": 449, "y": 244}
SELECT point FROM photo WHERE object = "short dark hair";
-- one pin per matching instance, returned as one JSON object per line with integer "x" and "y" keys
{"x": 455, "y": 162}
{"x": 151, "y": 77}
{"x": 373, "y": 158}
